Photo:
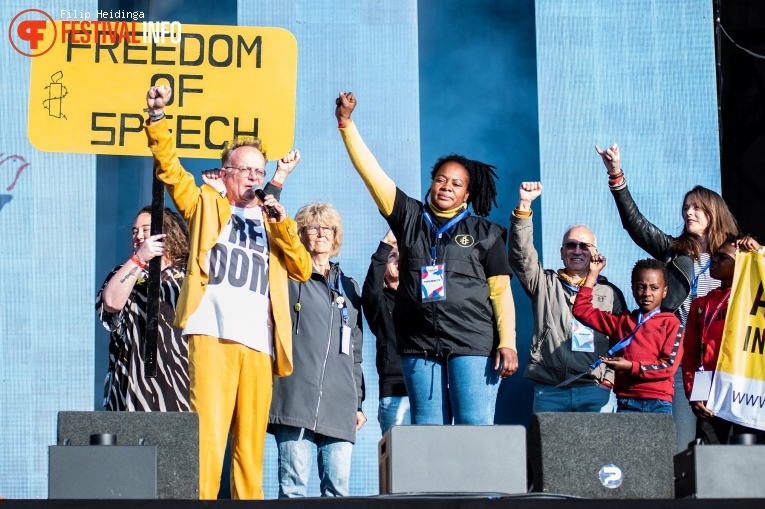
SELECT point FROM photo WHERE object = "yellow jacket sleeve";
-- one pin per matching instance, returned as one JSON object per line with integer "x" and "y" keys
{"x": 504, "y": 309}
{"x": 297, "y": 261}
{"x": 381, "y": 186}
{"x": 179, "y": 183}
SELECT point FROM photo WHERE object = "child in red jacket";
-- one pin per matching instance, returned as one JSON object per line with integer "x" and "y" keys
{"x": 706, "y": 321}
{"x": 648, "y": 341}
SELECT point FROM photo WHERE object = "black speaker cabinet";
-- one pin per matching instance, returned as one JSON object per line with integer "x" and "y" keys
{"x": 176, "y": 435}
{"x": 453, "y": 459}
{"x": 102, "y": 471}
{"x": 720, "y": 471}
{"x": 592, "y": 455}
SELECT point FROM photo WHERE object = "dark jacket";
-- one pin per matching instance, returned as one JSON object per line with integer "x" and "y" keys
{"x": 551, "y": 358}
{"x": 463, "y": 324}
{"x": 377, "y": 303}
{"x": 657, "y": 244}
{"x": 326, "y": 388}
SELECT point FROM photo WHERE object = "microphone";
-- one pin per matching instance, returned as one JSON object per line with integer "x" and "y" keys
{"x": 270, "y": 211}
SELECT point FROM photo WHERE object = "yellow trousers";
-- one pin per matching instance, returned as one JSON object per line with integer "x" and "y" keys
{"x": 231, "y": 391}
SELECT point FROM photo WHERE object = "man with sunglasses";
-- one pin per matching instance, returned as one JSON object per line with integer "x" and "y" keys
{"x": 234, "y": 303}
{"x": 561, "y": 347}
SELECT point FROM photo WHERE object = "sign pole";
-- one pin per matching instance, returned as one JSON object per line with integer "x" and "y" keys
{"x": 155, "y": 275}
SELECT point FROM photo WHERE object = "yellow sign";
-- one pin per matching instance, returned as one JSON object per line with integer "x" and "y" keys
{"x": 88, "y": 92}
{"x": 738, "y": 386}
{"x": 742, "y": 349}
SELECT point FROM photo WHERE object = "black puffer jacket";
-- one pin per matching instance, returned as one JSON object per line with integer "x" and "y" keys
{"x": 657, "y": 244}
{"x": 377, "y": 304}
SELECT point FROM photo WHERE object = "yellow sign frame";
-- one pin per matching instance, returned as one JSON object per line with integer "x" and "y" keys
{"x": 88, "y": 97}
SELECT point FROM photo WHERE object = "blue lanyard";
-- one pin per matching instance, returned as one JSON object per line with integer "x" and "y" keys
{"x": 437, "y": 233}
{"x": 628, "y": 338}
{"x": 341, "y": 299}
{"x": 695, "y": 282}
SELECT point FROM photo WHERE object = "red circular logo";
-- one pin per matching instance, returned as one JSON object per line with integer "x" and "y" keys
{"x": 30, "y": 30}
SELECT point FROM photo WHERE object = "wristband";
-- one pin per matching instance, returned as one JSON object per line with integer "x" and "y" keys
{"x": 155, "y": 116}
{"x": 341, "y": 124}
{"x": 138, "y": 261}
{"x": 275, "y": 183}
{"x": 617, "y": 181}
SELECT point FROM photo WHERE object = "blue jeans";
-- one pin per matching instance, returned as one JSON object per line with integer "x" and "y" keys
{"x": 592, "y": 398}
{"x": 645, "y": 405}
{"x": 393, "y": 411}
{"x": 685, "y": 420}
{"x": 464, "y": 390}
{"x": 295, "y": 456}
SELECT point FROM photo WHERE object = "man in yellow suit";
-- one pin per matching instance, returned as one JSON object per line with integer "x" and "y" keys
{"x": 234, "y": 303}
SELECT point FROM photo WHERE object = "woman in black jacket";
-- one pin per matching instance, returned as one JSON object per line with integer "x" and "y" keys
{"x": 707, "y": 221}
{"x": 378, "y": 296}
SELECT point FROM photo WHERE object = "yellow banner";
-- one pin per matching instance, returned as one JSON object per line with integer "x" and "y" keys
{"x": 88, "y": 92}
{"x": 742, "y": 351}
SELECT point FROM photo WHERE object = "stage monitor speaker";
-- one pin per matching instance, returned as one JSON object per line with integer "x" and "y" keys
{"x": 453, "y": 459}
{"x": 593, "y": 455}
{"x": 176, "y": 435}
{"x": 720, "y": 471}
{"x": 102, "y": 472}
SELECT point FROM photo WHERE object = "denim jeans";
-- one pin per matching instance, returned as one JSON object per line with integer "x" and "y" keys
{"x": 393, "y": 411}
{"x": 646, "y": 405}
{"x": 295, "y": 456}
{"x": 685, "y": 420}
{"x": 464, "y": 388}
{"x": 592, "y": 398}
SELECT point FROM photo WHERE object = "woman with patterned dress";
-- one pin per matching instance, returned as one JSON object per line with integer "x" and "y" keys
{"x": 121, "y": 307}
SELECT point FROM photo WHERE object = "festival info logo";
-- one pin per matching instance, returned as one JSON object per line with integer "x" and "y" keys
{"x": 31, "y": 34}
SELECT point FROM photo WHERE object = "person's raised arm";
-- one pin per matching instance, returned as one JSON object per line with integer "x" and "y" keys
{"x": 522, "y": 255}
{"x": 179, "y": 183}
{"x": 380, "y": 186}
{"x": 372, "y": 290}
{"x": 642, "y": 232}
{"x": 117, "y": 291}
{"x": 583, "y": 310}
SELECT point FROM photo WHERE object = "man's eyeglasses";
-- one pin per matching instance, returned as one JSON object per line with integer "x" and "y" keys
{"x": 571, "y": 245}
{"x": 247, "y": 171}
{"x": 327, "y": 231}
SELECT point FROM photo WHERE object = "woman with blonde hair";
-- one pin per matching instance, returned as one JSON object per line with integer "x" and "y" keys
{"x": 319, "y": 405}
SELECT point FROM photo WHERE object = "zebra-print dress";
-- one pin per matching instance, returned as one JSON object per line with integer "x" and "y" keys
{"x": 125, "y": 387}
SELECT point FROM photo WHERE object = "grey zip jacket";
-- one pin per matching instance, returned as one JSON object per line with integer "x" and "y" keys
{"x": 326, "y": 387}
{"x": 551, "y": 360}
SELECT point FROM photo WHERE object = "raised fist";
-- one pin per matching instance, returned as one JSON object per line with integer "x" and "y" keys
{"x": 158, "y": 97}
{"x": 345, "y": 103}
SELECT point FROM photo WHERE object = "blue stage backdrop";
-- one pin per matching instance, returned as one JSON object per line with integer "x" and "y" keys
{"x": 640, "y": 73}
{"x": 47, "y": 216}
{"x": 637, "y": 72}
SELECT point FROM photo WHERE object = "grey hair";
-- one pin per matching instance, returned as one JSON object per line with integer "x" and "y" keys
{"x": 580, "y": 225}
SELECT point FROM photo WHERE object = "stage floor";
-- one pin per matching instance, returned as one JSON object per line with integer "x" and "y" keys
{"x": 529, "y": 501}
